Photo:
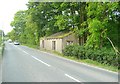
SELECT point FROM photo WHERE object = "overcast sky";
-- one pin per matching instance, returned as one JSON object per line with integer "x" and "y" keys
{"x": 7, "y": 10}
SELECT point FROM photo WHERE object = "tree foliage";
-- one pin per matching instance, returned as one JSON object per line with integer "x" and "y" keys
{"x": 92, "y": 22}
{"x": 102, "y": 23}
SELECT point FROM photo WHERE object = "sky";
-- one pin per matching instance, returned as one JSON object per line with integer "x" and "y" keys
{"x": 7, "y": 10}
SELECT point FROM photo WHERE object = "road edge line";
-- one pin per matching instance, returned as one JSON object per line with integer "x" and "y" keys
{"x": 80, "y": 63}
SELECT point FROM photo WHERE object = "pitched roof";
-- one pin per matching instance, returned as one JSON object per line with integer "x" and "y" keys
{"x": 58, "y": 35}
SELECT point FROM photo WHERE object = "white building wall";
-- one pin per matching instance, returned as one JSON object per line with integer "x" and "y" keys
{"x": 48, "y": 44}
{"x": 60, "y": 43}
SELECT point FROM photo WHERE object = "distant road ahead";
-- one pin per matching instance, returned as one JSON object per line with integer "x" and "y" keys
{"x": 23, "y": 64}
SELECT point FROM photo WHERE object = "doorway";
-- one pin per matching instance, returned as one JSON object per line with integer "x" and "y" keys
{"x": 53, "y": 45}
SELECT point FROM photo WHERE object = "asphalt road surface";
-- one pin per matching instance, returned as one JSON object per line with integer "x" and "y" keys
{"x": 23, "y": 64}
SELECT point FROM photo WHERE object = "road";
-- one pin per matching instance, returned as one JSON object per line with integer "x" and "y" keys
{"x": 23, "y": 64}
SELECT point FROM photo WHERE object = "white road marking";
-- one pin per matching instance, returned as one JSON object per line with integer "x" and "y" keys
{"x": 26, "y": 52}
{"x": 96, "y": 67}
{"x": 22, "y": 50}
{"x": 33, "y": 57}
{"x": 72, "y": 78}
{"x": 41, "y": 61}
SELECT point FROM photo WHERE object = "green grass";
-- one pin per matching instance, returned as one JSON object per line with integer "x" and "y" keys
{"x": 0, "y": 54}
{"x": 86, "y": 61}
{"x": 31, "y": 46}
{"x": 105, "y": 66}
{"x": 1, "y": 50}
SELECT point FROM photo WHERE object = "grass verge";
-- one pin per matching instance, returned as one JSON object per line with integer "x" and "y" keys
{"x": 1, "y": 49}
{"x": 86, "y": 61}
{"x": 0, "y": 53}
{"x": 31, "y": 46}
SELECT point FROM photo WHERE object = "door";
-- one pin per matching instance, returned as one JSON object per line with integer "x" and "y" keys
{"x": 42, "y": 43}
{"x": 53, "y": 45}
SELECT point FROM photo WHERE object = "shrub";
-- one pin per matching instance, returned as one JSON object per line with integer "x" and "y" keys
{"x": 68, "y": 50}
{"x": 103, "y": 55}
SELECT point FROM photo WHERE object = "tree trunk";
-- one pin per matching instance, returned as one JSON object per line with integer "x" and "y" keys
{"x": 82, "y": 19}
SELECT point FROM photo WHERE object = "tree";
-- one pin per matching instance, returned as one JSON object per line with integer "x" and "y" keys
{"x": 11, "y": 35}
{"x": 99, "y": 20}
{"x": 19, "y": 25}
{"x": 92, "y": 22}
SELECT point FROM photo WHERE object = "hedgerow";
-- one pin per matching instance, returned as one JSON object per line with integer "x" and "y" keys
{"x": 103, "y": 55}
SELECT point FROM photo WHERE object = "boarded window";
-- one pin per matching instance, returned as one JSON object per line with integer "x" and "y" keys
{"x": 69, "y": 42}
{"x": 53, "y": 45}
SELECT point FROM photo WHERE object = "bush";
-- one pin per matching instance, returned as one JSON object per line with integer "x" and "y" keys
{"x": 103, "y": 55}
{"x": 68, "y": 50}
